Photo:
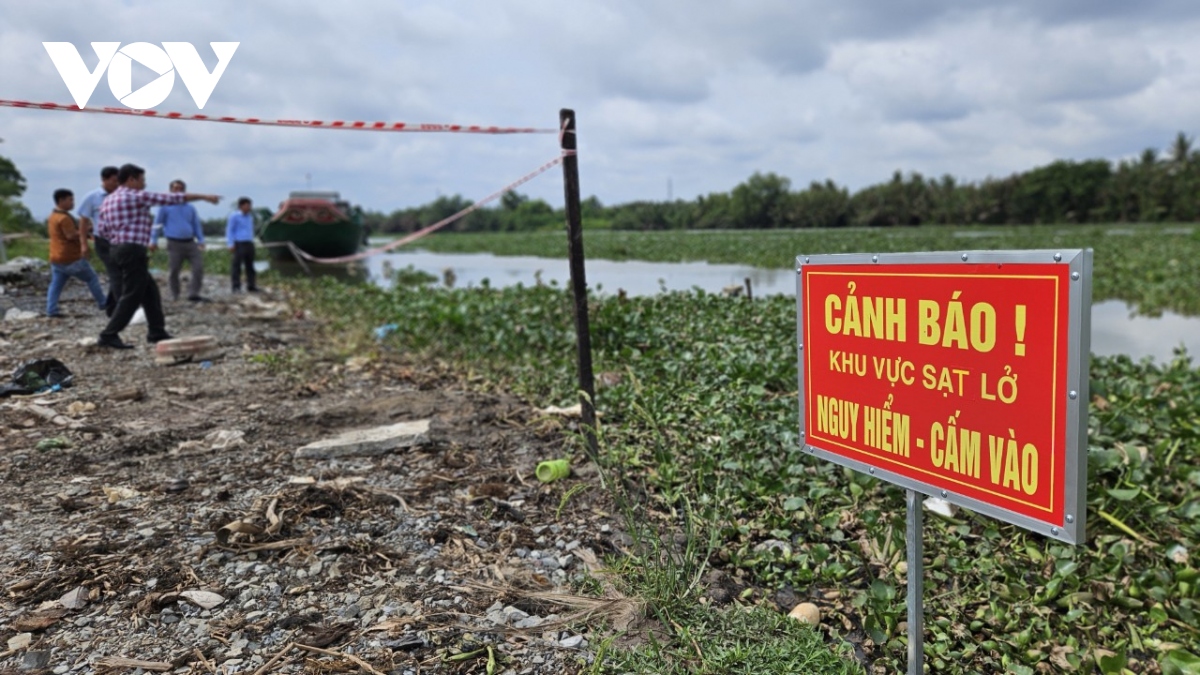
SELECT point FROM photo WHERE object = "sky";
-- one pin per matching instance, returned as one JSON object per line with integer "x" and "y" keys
{"x": 673, "y": 98}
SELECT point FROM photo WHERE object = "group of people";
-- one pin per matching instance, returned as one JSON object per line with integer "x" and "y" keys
{"x": 117, "y": 217}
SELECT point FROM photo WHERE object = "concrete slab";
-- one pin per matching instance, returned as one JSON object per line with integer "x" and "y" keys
{"x": 368, "y": 442}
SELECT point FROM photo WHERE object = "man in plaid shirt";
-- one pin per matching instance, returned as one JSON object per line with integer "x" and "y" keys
{"x": 127, "y": 226}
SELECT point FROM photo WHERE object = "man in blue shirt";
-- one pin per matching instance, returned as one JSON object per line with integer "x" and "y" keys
{"x": 89, "y": 220}
{"x": 180, "y": 224}
{"x": 239, "y": 237}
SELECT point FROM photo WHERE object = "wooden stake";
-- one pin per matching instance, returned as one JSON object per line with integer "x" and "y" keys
{"x": 583, "y": 340}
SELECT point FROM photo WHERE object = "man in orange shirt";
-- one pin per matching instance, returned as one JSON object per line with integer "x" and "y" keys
{"x": 68, "y": 254}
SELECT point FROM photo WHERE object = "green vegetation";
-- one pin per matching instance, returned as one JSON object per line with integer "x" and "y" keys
{"x": 702, "y": 424}
{"x": 515, "y": 212}
{"x": 14, "y": 217}
{"x": 29, "y": 247}
{"x": 1153, "y": 188}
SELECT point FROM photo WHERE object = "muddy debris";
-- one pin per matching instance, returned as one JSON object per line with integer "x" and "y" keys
{"x": 173, "y": 526}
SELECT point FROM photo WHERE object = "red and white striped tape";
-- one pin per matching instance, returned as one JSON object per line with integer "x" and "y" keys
{"x": 339, "y": 124}
{"x": 430, "y": 229}
{"x": 308, "y": 124}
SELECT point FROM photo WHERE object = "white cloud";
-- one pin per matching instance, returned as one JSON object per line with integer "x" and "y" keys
{"x": 698, "y": 95}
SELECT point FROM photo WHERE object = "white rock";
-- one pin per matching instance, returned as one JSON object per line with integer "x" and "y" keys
{"x": 20, "y": 641}
{"x": 224, "y": 439}
{"x": 18, "y": 314}
{"x": 368, "y": 442}
{"x": 75, "y": 599}
{"x": 513, "y": 614}
{"x": 23, "y": 262}
{"x": 573, "y": 642}
{"x": 529, "y": 622}
{"x": 119, "y": 494}
{"x": 203, "y": 599}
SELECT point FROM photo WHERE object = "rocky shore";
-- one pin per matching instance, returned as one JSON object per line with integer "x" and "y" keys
{"x": 212, "y": 516}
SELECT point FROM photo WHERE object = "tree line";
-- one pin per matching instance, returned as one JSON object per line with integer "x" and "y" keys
{"x": 514, "y": 213}
{"x": 1154, "y": 187}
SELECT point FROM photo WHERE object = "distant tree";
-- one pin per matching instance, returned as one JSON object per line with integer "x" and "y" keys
{"x": 713, "y": 212}
{"x": 443, "y": 207}
{"x": 821, "y": 205}
{"x": 1061, "y": 191}
{"x": 947, "y": 202}
{"x": 12, "y": 183}
{"x": 13, "y": 214}
{"x": 512, "y": 200}
{"x": 641, "y": 215}
{"x": 531, "y": 214}
{"x": 1181, "y": 149}
{"x": 1121, "y": 196}
{"x": 760, "y": 202}
{"x": 1151, "y": 189}
{"x": 897, "y": 202}
{"x": 591, "y": 207}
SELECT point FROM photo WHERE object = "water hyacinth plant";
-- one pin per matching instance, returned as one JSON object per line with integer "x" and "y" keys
{"x": 700, "y": 412}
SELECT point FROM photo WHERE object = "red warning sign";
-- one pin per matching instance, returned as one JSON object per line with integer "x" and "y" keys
{"x": 956, "y": 377}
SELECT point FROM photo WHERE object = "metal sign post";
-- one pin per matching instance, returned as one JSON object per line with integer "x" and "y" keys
{"x": 914, "y": 542}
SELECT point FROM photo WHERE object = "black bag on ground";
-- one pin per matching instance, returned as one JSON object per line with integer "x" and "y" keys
{"x": 33, "y": 376}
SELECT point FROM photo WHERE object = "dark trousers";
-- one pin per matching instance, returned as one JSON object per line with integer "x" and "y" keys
{"x": 243, "y": 256}
{"x": 104, "y": 252}
{"x": 179, "y": 250}
{"x": 138, "y": 288}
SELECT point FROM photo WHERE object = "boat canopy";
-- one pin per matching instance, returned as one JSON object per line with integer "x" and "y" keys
{"x": 315, "y": 194}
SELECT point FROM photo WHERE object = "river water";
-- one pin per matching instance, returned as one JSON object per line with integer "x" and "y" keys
{"x": 1115, "y": 329}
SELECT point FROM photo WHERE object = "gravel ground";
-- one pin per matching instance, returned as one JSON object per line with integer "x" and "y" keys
{"x": 157, "y": 518}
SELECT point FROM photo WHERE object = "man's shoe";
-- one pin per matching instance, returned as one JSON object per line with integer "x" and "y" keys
{"x": 56, "y": 315}
{"x": 112, "y": 342}
{"x": 159, "y": 337}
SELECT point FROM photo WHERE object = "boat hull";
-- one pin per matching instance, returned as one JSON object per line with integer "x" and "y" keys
{"x": 320, "y": 229}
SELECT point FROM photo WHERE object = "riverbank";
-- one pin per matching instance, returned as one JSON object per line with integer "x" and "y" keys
{"x": 735, "y": 524}
{"x": 697, "y": 393}
{"x": 160, "y": 514}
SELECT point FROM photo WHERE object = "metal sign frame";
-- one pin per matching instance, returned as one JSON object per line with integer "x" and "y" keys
{"x": 1075, "y": 389}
